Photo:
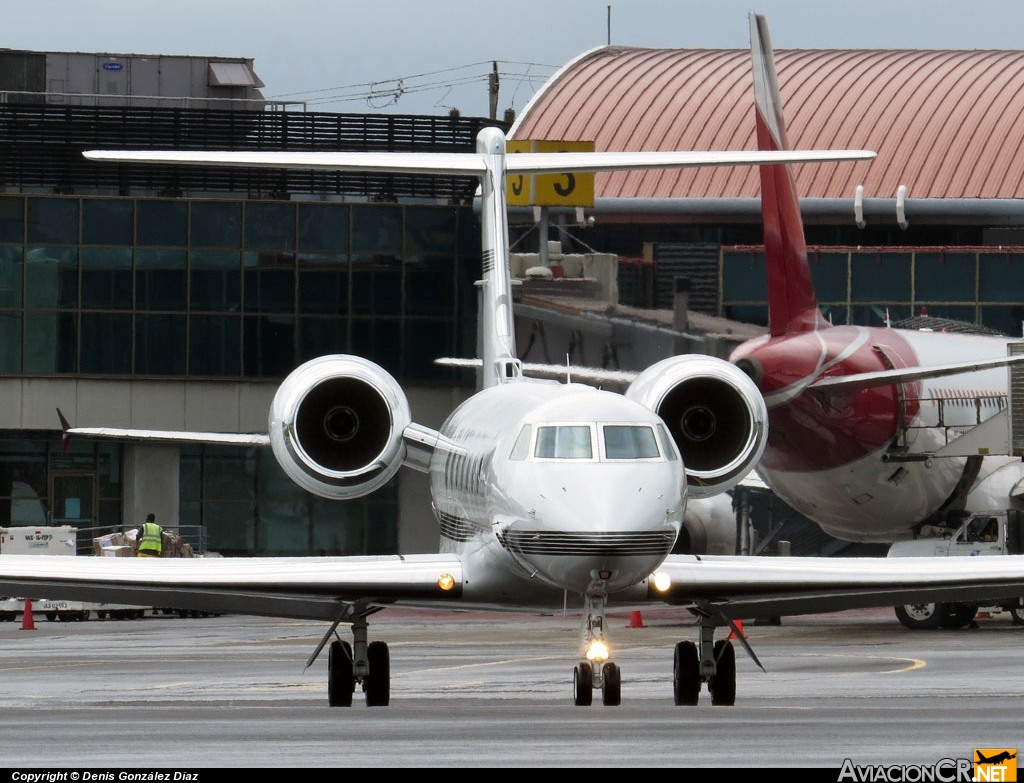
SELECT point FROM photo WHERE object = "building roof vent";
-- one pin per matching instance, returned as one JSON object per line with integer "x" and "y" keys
{"x": 232, "y": 74}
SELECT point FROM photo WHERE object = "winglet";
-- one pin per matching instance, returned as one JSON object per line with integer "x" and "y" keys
{"x": 64, "y": 427}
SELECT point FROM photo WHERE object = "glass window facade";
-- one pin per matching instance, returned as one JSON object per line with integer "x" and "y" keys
{"x": 983, "y": 285}
{"x": 227, "y": 290}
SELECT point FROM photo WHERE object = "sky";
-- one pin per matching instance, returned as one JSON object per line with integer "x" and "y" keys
{"x": 427, "y": 57}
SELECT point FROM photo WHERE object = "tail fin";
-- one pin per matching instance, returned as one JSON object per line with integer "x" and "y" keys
{"x": 792, "y": 305}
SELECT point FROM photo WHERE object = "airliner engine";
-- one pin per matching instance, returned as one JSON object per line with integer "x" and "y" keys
{"x": 336, "y": 426}
{"x": 715, "y": 413}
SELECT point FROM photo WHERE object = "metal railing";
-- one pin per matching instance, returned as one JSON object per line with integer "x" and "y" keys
{"x": 41, "y": 146}
{"x": 193, "y": 535}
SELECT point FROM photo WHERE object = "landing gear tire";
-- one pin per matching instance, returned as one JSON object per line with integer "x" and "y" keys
{"x": 686, "y": 674}
{"x": 341, "y": 680}
{"x": 583, "y": 685}
{"x": 921, "y": 617}
{"x": 378, "y": 684}
{"x": 958, "y": 616}
{"x": 723, "y": 682}
{"x": 611, "y": 692}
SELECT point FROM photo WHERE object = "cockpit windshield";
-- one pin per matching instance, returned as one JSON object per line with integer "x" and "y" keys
{"x": 604, "y": 442}
{"x": 564, "y": 442}
{"x": 628, "y": 441}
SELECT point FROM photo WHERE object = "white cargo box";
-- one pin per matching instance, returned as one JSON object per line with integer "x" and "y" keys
{"x": 36, "y": 540}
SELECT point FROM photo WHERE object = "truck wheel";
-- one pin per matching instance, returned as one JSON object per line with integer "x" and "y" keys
{"x": 1017, "y": 613}
{"x": 921, "y": 617}
{"x": 959, "y": 615}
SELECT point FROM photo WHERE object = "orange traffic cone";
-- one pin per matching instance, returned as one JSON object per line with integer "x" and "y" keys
{"x": 739, "y": 627}
{"x": 27, "y": 623}
{"x": 635, "y": 621}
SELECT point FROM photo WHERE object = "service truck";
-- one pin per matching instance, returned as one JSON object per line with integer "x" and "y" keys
{"x": 53, "y": 540}
{"x": 974, "y": 534}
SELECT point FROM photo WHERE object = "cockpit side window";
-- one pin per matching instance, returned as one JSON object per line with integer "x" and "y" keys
{"x": 629, "y": 441}
{"x": 521, "y": 450}
{"x": 667, "y": 444}
{"x": 564, "y": 442}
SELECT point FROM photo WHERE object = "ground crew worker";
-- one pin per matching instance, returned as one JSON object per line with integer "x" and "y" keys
{"x": 150, "y": 538}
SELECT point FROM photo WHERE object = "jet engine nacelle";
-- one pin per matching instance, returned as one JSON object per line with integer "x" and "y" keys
{"x": 336, "y": 426}
{"x": 716, "y": 416}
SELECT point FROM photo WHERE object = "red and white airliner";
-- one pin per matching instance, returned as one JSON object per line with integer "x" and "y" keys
{"x": 873, "y": 431}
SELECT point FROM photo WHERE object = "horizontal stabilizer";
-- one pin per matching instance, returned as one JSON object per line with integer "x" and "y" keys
{"x": 172, "y": 436}
{"x": 470, "y": 163}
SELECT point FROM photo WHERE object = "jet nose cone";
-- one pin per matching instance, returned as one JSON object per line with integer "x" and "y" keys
{"x": 621, "y": 527}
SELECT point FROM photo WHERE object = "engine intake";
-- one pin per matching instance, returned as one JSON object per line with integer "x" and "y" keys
{"x": 715, "y": 414}
{"x": 336, "y": 426}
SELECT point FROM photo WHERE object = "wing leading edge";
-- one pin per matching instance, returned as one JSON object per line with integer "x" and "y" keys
{"x": 745, "y": 586}
{"x": 312, "y": 588}
{"x": 331, "y": 588}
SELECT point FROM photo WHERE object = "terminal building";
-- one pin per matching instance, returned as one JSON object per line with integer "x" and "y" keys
{"x": 178, "y": 298}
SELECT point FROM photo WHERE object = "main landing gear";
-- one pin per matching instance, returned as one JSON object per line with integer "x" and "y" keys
{"x": 362, "y": 663}
{"x": 711, "y": 662}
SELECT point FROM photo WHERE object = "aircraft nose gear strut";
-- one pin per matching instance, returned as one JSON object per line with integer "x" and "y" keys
{"x": 595, "y": 670}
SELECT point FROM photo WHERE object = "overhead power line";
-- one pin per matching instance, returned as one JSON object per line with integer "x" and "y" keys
{"x": 389, "y": 92}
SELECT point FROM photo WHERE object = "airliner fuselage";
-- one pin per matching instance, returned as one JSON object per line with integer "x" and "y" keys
{"x": 859, "y": 461}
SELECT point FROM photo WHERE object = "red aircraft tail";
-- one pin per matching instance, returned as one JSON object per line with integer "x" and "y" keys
{"x": 792, "y": 305}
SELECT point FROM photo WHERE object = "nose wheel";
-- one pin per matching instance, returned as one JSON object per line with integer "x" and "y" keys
{"x": 595, "y": 671}
{"x": 583, "y": 684}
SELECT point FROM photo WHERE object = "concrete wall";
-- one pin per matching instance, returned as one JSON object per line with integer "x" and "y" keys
{"x": 151, "y": 483}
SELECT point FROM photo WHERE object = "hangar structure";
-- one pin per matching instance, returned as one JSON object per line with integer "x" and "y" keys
{"x": 947, "y": 186}
{"x": 172, "y": 298}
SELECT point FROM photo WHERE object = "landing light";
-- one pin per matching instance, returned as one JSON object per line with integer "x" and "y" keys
{"x": 597, "y": 651}
{"x": 446, "y": 582}
{"x": 661, "y": 581}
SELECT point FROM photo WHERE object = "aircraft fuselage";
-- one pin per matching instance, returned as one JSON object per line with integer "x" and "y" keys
{"x": 857, "y": 461}
{"x": 565, "y": 486}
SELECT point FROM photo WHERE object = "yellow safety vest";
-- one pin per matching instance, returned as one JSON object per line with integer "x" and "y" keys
{"x": 151, "y": 543}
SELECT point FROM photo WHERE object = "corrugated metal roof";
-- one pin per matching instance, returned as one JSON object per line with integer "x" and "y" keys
{"x": 945, "y": 123}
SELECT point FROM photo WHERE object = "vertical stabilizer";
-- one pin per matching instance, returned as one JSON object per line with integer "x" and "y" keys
{"x": 497, "y": 333}
{"x": 792, "y": 305}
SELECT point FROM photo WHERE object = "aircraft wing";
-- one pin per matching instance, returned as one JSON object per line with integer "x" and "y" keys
{"x": 331, "y": 588}
{"x": 470, "y": 163}
{"x": 312, "y": 588}
{"x": 597, "y": 376}
{"x": 753, "y": 586}
{"x": 902, "y": 375}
